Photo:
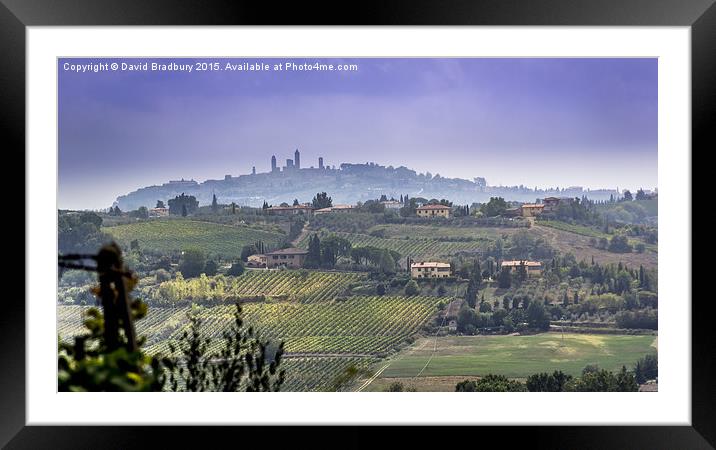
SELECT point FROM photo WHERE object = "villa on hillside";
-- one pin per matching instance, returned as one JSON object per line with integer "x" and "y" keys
{"x": 292, "y": 258}
{"x": 256, "y": 261}
{"x": 336, "y": 208}
{"x": 158, "y": 212}
{"x": 534, "y": 268}
{"x": 430, "y": 269}
{"x": 550, "y": 204}
{"x": 433, "y": 211}
{"x": 532, "y": 210}
{"x": 512, "y": 212}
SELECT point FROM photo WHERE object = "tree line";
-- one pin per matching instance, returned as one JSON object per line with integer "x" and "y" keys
{"x": 592, "y": 379}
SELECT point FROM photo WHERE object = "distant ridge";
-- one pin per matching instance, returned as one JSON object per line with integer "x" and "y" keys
{"x": 349, "y": 183}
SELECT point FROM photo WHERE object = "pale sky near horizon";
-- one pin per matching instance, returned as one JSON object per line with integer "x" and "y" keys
{"x": 535, "y": 122}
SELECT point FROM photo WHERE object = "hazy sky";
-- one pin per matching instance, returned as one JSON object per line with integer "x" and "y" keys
{"x": 537, "y": 122}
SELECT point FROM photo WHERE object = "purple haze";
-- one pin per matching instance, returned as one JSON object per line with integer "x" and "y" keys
{"x": 536, "y": 122}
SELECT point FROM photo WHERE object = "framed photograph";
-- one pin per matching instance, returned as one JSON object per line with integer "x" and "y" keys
{"x": 418, "y": 215}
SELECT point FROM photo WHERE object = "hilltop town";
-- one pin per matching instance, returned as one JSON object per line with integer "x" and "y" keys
{"x": 348, "y": 182}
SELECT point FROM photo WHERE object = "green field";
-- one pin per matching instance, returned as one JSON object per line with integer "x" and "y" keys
{"x": 441, "y": 233}
{"x": 519, "y": 356}
{"x": 414, "y": 247}
{"x": 168, "y": 235}
{"x": 292, "y": 285}
{"x": 579, "y": 245}
{"x": 574, "y": 228}
{"x": 591, "y": 232}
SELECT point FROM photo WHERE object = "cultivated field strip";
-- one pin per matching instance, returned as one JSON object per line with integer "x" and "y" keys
{"x": 318, "y": 373}
{"x": 415, "y": 248}
{"x": 157, "y": 328}
{"x": 170, "y": 235}
{"x": 291, "y": 285}
{"x": 441, "y": 233}
{"x": 366, "y": 326}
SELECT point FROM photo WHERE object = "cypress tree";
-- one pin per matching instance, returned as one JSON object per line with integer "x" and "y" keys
{"x": 313, "y": 259}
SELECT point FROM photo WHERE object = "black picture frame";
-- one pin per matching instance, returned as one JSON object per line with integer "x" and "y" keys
{"x": 16, "y": 15}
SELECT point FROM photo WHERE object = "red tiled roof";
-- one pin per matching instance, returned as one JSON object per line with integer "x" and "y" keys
{"x": 430, "y": 264}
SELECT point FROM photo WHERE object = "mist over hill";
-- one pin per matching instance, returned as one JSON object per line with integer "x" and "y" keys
{"x": 349, "y": 183}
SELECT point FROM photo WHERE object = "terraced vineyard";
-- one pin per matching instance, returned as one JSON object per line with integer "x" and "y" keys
{"x": 169, "y": 235}
{"x": 442, "y": 233}
{"x": 358, "y": 325}
{"x": 292, "y": 285}
{"x": 156, "y": 327}
{"x": 324, "y": 335}
{"x": 414, "y": 247}
{"x": 318, "y": 373}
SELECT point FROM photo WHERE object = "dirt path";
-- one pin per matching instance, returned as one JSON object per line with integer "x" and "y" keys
{"x": 301, "y": 235}
{"x": 380, "y": 371}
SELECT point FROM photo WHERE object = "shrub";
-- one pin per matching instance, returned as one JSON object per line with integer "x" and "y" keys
{"x": 162, "y": 275}
{"x": 491, "y": 383}
{"x": 411, "y": 288}
{"x": 609, "y": 302}
{"x": 645, "y": 319}
{"x": 237, "y": 269}
{"x": 604, "y": 381}
{"x": 380, "y": 289}
{"x": 648, "y": 299}
{"x": 193, "y": 262}
{"x": 545, "y": 382}
{"x": 647, "y": 368}
{"x": 210, "y": 268}
{"x": 619, "y": 244}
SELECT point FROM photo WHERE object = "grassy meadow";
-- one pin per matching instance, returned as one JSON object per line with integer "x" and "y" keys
{"x": 519, "y": 356}
{"x": 172, "y": 235}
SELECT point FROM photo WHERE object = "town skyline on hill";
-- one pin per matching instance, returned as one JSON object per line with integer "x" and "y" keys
{"x": 348, "y": 183}
{"x": 535, "y": 122}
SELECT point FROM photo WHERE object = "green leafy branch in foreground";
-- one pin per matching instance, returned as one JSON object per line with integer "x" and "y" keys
{"x": 88, "y": 365}
{"x": 243, "y": 362}
{"x": 109, "y": 356}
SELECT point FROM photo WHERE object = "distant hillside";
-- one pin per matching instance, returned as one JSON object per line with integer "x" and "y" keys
{"x": 349, "y": 183}
{"x": 175, "y": 235}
